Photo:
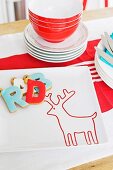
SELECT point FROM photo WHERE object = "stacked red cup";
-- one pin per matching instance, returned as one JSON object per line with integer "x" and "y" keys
{"x": 55, "y": 20}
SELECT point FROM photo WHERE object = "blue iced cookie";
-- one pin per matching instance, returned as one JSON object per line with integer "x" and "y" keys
{"x": 13, "y": 96}
{"x": 39, "y": 77}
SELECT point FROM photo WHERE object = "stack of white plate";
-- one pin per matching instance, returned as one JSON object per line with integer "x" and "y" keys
{"x": 104, "y": 70}
{"x": 73, "y": 47}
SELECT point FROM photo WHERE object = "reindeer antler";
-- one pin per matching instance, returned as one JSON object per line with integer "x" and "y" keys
{"x": 67, "y": 95}
{"x": 49, "y": 100}
{"x": 62, "y": 100}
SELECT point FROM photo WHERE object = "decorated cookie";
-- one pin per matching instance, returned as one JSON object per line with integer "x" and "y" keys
{"x": 20, "y": 84}
{"x": 29, "y": 90}
{"x": 31, "y": 97}
{"x": 39, "y": 77}
{"x": 13, "y": 96}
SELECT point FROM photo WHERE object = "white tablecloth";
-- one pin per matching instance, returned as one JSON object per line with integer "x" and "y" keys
{"x": 59, "y": 159}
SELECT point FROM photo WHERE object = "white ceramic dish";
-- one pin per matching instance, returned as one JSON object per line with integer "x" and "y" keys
{"x": 103, "y": 75}
{"x": 50, "y": 52}
{"x": 105, "y": 71}
{"x": 56, "y": 9}
{"x": 33, "y": 128}
{"x": 52, "y": 58}
{"x": 57, "y": 57}
{"x": 73, "y": 43}
{"x": 55, "y": 60}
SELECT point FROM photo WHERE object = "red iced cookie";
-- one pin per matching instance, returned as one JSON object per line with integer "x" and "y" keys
{"x": 30, "y": 96}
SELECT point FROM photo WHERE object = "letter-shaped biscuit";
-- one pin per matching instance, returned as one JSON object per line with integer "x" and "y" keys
{"x": 41, "y": 77}
{"x": 13, "y": 96}
{"x": 30, "y": 95}
{"x": 20, "y": 84}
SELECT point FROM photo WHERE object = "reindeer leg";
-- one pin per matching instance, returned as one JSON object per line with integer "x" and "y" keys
{"x": 66, "y": 139}
{"x": 94, "y": 137}
{"x": 87, "y": 138}
{"x": 71, "y": 139}
{"x": 75, "y": 139}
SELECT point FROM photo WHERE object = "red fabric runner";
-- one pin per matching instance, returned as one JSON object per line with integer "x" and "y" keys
{"x": 24, "y": 61}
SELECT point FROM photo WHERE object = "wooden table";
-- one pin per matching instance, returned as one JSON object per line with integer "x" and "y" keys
{"x": 14, "y": 27}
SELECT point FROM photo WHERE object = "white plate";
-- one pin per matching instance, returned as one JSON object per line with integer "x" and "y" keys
{"x": 103, "y": 75}
{"x": 105, "y": 69}
{"x": 32, "y": 127}
{"x": 74, "y": 42}
{"x": 51, "y": 54}
{"x": 59, "y": 57}
{"x": 55, "y": 60}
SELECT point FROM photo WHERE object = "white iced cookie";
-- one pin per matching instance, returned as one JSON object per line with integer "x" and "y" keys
{"x": 20, "y": 84}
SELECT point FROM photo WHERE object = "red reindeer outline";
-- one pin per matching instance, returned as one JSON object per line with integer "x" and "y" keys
{"x": 68, "y": 136}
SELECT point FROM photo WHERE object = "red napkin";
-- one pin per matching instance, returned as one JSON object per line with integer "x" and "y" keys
{"x": 24, "y": 61}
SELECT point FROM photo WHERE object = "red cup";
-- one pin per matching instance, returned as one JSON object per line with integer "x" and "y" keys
{"x": 54, "y": 25}
{"x": 54, "y": 35}
{"x": 53, "y": 20}
{"x": 55, "y": 11}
